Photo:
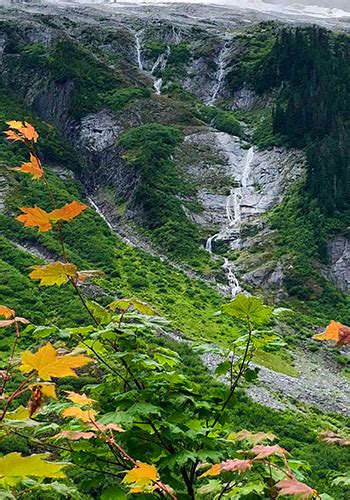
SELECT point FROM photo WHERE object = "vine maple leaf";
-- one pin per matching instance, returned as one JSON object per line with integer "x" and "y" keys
{"x": 7, "y": 312}
{"x": 77, "y": 412}
{"x": 75, "y": 435}
{"x": 264, "y": 451}
{"x": 33, "y": 167}
{"x": 35, "y": 217}
{"x": 294, "y": 487}
{"x": 47, "y": 363}
{"x": 9, "y": 322}
{"x": 14, "y": 468}
{"x": 228, "y": 466}
{"x": 68, "y": 212}
{"x": 47, "y": 389}
{"x": 56, "y": 273}
{"x": 256, "y": 438}
{"x": 141, "y": 476}
{"x": 80, "y": 398}
{"x": 335, "y": 331}
{"x": 24, "y": 131}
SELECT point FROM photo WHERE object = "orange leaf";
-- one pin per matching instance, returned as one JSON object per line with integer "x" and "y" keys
{"x": 75, "y": 435}
{"x": 12, "y": 136}
{"x": 33, "y": 167}
{"x": 77, "y": 412}
{"x": 294, "y": 487}
{"x": 56, "y": 273}
{"x": 47, "y": 363}
{"x": 8, "y": 322}
{"x": 68, "y": 212}
{"x": 35, "y": 217}
{"x": 330, "y": 333}
{"x": 29, "y": 132}
{"x": 26, "y": 131}
{"x": 262, "y": 451}
{"x": 79, "y": 398}
{"x": 7, "y": 312}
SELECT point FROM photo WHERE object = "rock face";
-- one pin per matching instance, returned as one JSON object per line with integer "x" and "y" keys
{"x": 338, "y": 270}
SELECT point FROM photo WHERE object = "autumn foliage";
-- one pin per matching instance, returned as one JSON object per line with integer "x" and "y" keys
{"x": 142, "y": 405}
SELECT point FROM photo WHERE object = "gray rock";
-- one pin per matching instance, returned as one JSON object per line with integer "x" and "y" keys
{"x": 338, "y": 271}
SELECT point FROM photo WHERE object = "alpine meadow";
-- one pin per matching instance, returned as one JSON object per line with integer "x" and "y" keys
{"x": 174, "y": 251}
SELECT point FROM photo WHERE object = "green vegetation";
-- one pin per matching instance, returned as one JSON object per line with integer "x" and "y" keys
{"x": 120, "y": 98}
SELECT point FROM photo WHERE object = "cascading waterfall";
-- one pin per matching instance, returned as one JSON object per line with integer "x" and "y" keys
{"x": 234, "y": 217}
{"x": 160, "y": 63}
{"x": 138, "y": 35}
{"x": 220, "y": 74}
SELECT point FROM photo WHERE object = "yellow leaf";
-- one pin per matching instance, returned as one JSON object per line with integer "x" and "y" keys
{"x": 15, "y": 124}
{"x": 33, "y": 167}
{"x": 14, "y": 468}
{"x": 46, "y": 389}
{"x": 68, "y": 212}
{"x": 141, "y": 476}
{"x": 20, "y": 413}
{"x": 80, "y": 398}
{"x": 77, "y": 412}
{"x": 47, "y": 363}
{"x": 35, "y": 217}
{"x": 56, "y": 273}
{"x": 7, "y": 312}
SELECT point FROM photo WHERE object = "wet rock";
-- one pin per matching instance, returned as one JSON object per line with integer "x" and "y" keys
{"x": 338, "y": 271}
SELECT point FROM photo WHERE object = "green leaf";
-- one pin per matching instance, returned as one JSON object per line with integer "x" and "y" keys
{"x": 251, "y": 374}
{"x": 113, "y": 493}
{"x": 14, "y": 468}
{"x": 125, "y": 304}
{"x": 41, "y": 332}
{"x": 250, "y": 309}
{"x": 99, "y": 312}
{"x": 223, "y": 368}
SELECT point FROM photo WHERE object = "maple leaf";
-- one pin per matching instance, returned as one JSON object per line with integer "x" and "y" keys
{"x": 7, "y": 312}
{"x": 294, "y": 487}
{"x": 77, "y": 412}
{"x": 48, "y": 364}
{"x": 12, "y": 136}
{"x": 79, "y": 398}
{"x": 25, "y": 131}
{"x": 35, "y": 217}
{"x": 33, "y": 167}
{"x": 29, "y": 132}
{"x": 9, "y": 322}
{"x": 46, "y": 389}
{"x": 264, "y": 451}
{"x": 74, "y": 435}
{"x": 228, "y": 466}
{"x": 142, "y": 476}
{"x": 56, "y": 273}
{"x": 330, "y": 437}
{"x": 15, "y": 124}
{"x": 250, "y": 436}
{"x": 14, "y": 468}
{"x": 109, "y": 427}
{"x": 89, "y": 273}
{"x": 68, "y": 212}
{"x": 335, "y": 331}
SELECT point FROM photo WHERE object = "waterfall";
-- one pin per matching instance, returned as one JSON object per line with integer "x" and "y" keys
{"x": 160, "y": 63}
{"x": 100, "y": 213}
{"x": 138, "y": 35}
{"x": 220, "y": 74}
{"x": 234, "y": 217}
